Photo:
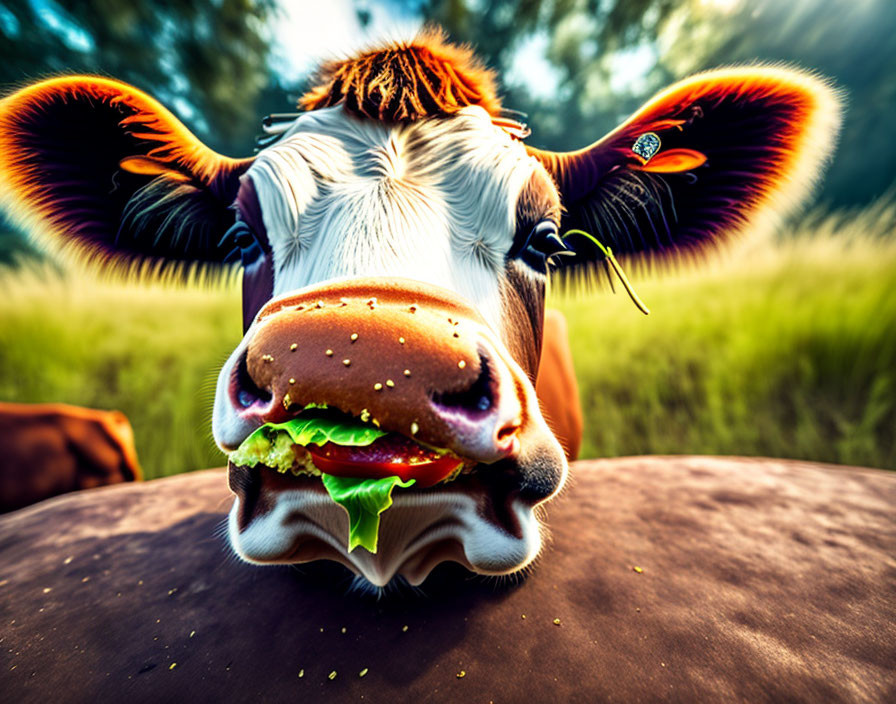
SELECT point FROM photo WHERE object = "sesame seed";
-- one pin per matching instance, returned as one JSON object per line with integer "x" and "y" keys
{"x": 292, "y": 380}
{"x": 407, "y": 372}
{"x": 390, "y": 383}
{"x": 301, "y": 673}
{"x": 414, "y": 429}
{"x": 377, "y": 386}
{"x": 354, "y": 336}
{"x": 332, "y": 675}
{"x": 461, "y": 364}
{"x": 346, "y": 362}
{"x": 404, "y": 629}
{"x": 293, "y": 347}
{"x": 172, "y": 666}
{"x": 329, "y": 353}
{"x": 343, "y": 629}
{"x": 363, "y": 672}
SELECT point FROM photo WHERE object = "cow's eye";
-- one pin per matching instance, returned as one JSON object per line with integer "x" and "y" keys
{"x": 246, "y": 247}
{"x": 545, "y": 239}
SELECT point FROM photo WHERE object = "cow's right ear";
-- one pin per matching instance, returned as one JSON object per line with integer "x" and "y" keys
{"x": 96, "y": 167}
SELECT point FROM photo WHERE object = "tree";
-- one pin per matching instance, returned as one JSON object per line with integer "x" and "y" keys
{"x": 205, "y": 59}
{"x": 589, "y": 44}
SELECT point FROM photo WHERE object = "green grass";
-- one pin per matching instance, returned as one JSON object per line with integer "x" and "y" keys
{"x": 149, "y": 351}
{"x": 780, "y": 350}
{"x": 785, "y": 350}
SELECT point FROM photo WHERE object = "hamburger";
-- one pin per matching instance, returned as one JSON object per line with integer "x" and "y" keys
{"x": 359, "y": 464}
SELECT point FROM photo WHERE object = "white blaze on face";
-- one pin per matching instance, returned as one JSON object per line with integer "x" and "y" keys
{"x": 433, "y": 200}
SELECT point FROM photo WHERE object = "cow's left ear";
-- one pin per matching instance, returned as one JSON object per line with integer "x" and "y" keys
{"x": 698, "y": 161}
{"x": 99, "y": 168}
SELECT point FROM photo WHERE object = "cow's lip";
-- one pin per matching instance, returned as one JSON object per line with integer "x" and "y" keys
{"x": 256, "y": 486}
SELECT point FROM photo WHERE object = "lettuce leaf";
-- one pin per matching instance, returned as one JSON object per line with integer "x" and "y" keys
{"x": 271, "y": 444}
{"x": 365, "y": 500}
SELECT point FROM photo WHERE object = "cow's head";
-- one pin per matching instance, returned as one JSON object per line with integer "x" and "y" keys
{"x": 396, "y": 240}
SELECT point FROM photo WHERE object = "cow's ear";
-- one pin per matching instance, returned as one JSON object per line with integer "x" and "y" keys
{"x": 98, "y": 168}
{"x": 698, "y": 162}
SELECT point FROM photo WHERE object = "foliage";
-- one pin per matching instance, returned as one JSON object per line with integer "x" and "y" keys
{"x": 839, "y": 39}
{"x": 149, "y": 351}
{"x": 784, "y": 349}
{"x": 593, "y": 49}
{"x": 206, "y": 59}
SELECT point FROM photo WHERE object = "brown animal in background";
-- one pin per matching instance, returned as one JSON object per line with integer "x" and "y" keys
{"x": 51, "y": 449}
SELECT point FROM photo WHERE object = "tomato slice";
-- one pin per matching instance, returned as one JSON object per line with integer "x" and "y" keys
{"x": 338, "y": 460}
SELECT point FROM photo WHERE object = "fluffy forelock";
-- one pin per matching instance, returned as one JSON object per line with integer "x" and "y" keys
{"x": 406, "y": 80}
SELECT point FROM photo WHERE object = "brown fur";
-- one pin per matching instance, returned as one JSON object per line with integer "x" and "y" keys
{"x": 761, "y": 581}
{"x": 405, "y": 81}
{"x": 51, "y": 449}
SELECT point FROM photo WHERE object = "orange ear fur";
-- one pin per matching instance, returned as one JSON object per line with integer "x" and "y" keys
{"x": 56, "y": 173}
{"x": 673, "y": 161}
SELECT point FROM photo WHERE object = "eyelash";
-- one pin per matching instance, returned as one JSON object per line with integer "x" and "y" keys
{"x": 545, "y": 239}
{"x": 542, "y": 243}
{"x": 246, "y": 246}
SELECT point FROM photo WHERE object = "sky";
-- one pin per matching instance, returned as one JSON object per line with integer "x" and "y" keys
{"x": 299, "y": 45}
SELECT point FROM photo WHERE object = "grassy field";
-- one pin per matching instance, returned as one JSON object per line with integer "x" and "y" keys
{"x": 781, "y": 349}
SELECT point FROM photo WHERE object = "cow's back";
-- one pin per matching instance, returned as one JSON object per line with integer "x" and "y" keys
{"x": 677, "y": 579}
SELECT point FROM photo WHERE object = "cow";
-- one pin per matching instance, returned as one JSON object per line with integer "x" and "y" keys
{"x": 52, "y": 448}
{"x": 396, "y": 238}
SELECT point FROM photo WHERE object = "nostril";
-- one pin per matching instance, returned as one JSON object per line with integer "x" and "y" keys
{"x": 474, "y": 401}
{"x": 245, "y": 391}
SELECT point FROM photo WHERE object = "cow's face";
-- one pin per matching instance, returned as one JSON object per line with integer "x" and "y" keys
{"x": 396, "y": 241}
{"x": 421, "y": 239}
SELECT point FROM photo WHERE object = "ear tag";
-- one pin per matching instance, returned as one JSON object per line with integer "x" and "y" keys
{"x": 647, "y": 145}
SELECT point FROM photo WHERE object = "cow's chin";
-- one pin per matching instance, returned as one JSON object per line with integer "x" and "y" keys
{"x": 279, "y": 519}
